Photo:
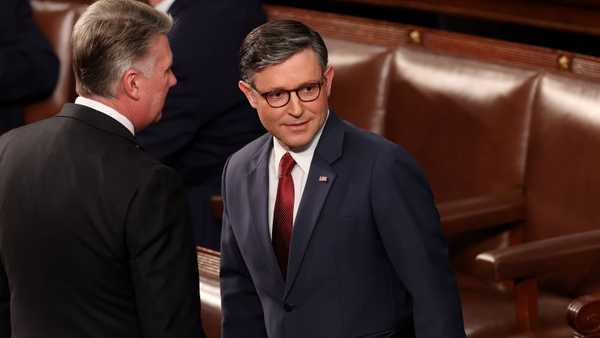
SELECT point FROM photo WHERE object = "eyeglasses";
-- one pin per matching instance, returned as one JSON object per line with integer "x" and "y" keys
{"x": 280, "y": 97}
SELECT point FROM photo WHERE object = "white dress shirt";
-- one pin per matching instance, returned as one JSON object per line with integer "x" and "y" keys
{"x": 299, "y": 173}
{"x": 101, "y": 107}
{"x": 164, "y": 5}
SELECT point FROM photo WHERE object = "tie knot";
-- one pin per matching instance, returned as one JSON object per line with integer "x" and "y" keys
{"x": 286, "y": 164}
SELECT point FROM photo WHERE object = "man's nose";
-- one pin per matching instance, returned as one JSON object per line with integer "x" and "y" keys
{"x": 295, "y": 105}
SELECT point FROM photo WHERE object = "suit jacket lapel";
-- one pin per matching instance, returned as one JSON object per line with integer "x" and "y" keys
{"x": 258, "y": 191}
{"x": 320, "y": 180}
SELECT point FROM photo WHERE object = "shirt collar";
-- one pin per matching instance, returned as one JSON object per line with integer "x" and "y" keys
{"x": 302, "y": 158}
{"x": 101, "y": 107}
{"x": 164, "y": 6}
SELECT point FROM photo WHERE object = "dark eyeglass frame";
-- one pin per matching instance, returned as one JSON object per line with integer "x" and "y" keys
{"x": 289, "y": 93}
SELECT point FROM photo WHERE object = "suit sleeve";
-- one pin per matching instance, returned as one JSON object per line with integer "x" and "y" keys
{"x": 242, "y": 314}
{"x": 4, "y": 303}
{"x": 409, "y": 225}
{"x": 163, "y": 259}
{"x": 28, "y": 66}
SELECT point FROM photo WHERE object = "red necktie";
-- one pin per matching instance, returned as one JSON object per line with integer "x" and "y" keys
{"x": 284, "y": 212}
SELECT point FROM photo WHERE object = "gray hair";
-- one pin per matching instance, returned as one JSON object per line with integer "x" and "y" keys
{"x": 276, "y": 41}
{"x": 109, "y": 37}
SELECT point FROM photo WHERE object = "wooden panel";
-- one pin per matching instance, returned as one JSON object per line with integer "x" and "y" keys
{"x": 392, "y": 34}
{"x": 575, "y": 16}
{"x": 344, "y": 27}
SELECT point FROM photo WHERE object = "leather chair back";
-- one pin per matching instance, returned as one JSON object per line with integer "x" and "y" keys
{"x": 352, "y": 60}
{"x": 563, "y": 181}
{"x": 465, "y": 121}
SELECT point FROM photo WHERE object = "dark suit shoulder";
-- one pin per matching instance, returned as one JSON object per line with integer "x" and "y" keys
{"x": 27, "y": 134}
{"x": 372, "y": 145}
{"x": 251, "y": 151}
{"x": 94, "y": 149}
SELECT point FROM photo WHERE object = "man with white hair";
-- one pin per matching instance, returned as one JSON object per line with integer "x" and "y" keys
{"x": 95, "y": 239}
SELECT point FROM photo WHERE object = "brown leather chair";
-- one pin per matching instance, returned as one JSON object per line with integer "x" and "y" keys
{"x": 561, "y": 249}
{"x": 467, "y": 124}
{"x": 210, "y": 293}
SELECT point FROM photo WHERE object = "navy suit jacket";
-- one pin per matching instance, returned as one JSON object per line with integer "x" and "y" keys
{"x": 205, "y": 118}
{"x": 28, "y": 66}
{"x": 367, "y": 256}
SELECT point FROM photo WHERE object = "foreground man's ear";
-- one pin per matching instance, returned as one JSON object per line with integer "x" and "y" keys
{"x": 130, "y": 83}
{"x": 329, "y": 79}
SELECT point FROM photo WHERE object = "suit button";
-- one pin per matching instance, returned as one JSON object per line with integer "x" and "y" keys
{"x": 288, "y": 307}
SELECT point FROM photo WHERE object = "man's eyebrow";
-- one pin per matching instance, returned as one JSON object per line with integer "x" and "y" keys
{"x": 307, "y": 83}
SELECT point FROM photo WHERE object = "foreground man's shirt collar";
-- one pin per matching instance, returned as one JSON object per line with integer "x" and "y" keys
{"x": 164, "y": 5}
{"x": 101, "y": 107}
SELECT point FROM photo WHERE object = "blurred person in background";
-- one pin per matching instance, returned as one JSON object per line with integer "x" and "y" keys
{"x": 28, "y": 66}
{"x": 206, "y": 118}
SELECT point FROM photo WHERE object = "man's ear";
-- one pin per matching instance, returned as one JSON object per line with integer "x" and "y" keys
{"x": 130, "y": 82}
{"x": 248, "y": 92}
{"x": 328, "y": 79}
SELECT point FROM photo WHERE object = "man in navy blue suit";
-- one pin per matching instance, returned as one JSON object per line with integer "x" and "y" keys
{"x": 28, "y": 66}
{"x": 205, "y": 118}
{"x": 328, "y": 231}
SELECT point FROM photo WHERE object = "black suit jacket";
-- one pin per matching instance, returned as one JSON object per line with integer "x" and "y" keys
{"x": 367, "y": 257}
{"x": 28, "y": 66}
{"x": 205, "y": 118}
{"x": 94, "y": 235}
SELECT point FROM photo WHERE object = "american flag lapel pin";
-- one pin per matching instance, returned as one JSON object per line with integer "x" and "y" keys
{"x": 323, "y": 179}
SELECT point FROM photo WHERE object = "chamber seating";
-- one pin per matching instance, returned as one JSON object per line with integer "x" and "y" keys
{"x": 508, "y": 136}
